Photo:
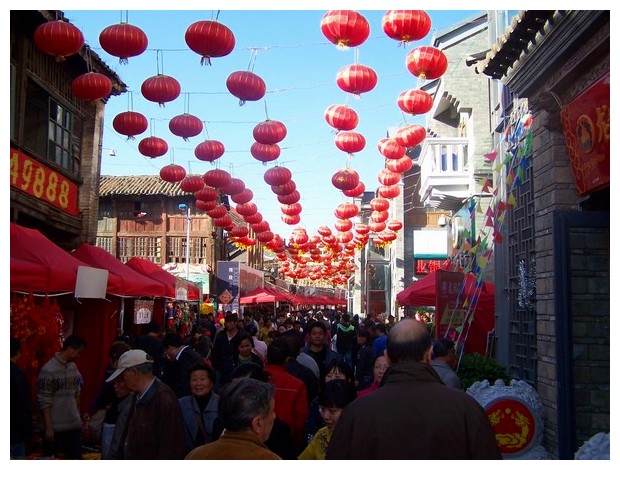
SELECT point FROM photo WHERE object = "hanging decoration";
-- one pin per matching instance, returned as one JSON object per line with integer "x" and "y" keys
{"x": 206, "y": 193}
{"x": 153, "y": 147}
{"x": 242, "y": 197}
{"x": 345, "y": 178}
{"x": 160, "y": 89}
{"x": 269, "y": 132}
{"x": 426, "y": 63}
{"x": 123, "y": 40}
{"x": 91, "y": 86}
{"x": 265, "y": 152}
{"x": 345, "y": 28}
{"x": 356, "y": 79}
{"x": 410, "y": 135}
{"x": 216, "y": 178}
{"x": 209, "y": 150}
{"x": 400, "y": 165}
{"x": 210, "y": 39}
{"x": 350, "y": 142}
{"x": 356, "y": 191}
{"x": 341, "y": 117}
{"x": 406, "y": 25}
{"x": 58, "y": 38}
{"x": 172, "y": 173}
{"x": 388, "y": 177}
{"x": 277, "y": 176}
{"x": 285, "y": 188}
{"x": 246, "y": 86}
{"x": 130, "y": 124}
{"x": 390, "y": 148}
{"x": 233, "y": 187}
{"x": 415, "y": 102}
{"x": 192, "y": 183}
{"x": 185, "y": 126}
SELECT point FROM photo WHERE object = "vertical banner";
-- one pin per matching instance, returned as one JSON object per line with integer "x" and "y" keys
{"x": 143, "y": 311}
{"x": 449, "y": 311}
{"x": 228, "y": 285}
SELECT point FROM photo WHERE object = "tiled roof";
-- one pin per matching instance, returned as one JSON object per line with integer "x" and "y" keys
{"x": 519, "y": 38}
{"x": 138, "y": 185}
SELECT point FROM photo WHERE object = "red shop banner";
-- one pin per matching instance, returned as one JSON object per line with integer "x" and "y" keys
{"x": 585, "y": 122}
{"x": 39, "y": 181}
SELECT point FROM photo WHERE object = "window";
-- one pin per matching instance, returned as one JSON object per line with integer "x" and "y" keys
{"x": 51, "y": 130}
{"x": 148, "y": 248}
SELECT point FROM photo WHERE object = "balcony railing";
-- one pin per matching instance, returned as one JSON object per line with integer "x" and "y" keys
{"x": 445, "y": 171}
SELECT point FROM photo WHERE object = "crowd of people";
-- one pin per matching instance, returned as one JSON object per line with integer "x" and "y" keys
{"x": 307, "y": 385}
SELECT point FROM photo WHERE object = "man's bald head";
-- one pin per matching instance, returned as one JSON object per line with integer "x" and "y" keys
{"x": 408, "y": 340}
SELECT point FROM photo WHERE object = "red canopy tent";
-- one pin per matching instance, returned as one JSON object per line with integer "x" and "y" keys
{"x": 264, "y": 295}
{"x": 154, "y": 271}
{"x": 424, "y": 293}
{"x": 39, "y": 265}
{"x": 133, "y": 283}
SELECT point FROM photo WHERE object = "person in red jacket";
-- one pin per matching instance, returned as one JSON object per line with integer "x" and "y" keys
{"x": 291, "y": 398}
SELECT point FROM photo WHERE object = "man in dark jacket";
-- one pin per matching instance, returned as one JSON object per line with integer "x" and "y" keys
{"x": 154, "y": 429}
{"x": 180, "y": 360}
{"x": 224, "y": 349}
{"x": 413, "y": 415}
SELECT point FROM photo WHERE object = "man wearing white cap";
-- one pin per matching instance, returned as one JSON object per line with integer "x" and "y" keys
{"x": 154, "y": 428}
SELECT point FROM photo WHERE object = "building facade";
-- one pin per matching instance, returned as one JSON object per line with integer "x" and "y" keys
{"x": 554, "y": 267}
{"x": 56, "y": 139}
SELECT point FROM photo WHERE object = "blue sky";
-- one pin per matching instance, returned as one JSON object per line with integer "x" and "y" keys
{"x": 298, "y": 64}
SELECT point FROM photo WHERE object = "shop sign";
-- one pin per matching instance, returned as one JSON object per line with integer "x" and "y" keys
{"x": 585, "y": 122}
{"x": 143, "y": 311}
{"x": 428, "y": 265}
{"x": 43, "y": 183}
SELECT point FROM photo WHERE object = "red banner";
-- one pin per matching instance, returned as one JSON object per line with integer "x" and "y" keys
{"x": 43, "y": 183}
{"x": 585, "y": 122}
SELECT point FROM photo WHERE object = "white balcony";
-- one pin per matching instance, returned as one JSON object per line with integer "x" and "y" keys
{"x": 446, "y": 173}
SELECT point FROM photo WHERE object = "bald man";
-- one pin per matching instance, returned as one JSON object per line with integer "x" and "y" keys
{"x": 413, "y": 415}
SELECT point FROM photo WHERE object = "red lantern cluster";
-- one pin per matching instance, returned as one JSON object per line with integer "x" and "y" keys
{"x": 123, "y": 40}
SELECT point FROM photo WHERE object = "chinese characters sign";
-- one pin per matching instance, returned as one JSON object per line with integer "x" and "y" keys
{"x": 585, "y": 121}
{"x": 33, "y": 178}
{"x": 228, "y": 285}
{"x": 143, "y": 311}
{"x": 427, "y": 265}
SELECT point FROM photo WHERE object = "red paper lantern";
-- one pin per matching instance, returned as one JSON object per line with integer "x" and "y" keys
{"x": 406, "y": 25}
{"x": 410, "y": 135}
{"x": 376, "y": 226}
{"x": 357, "y": 191}
{"x": 91, "y": 86}
{"x": 291, "y": 209}
{"x": 324, "y": 230}
{"x": 379, "y": 216}
{"x": 387, "y": 236}
{"x": 246, "y": 209}
{"x": 426, "y": 63}
{"x": 233, "y": 187}
{"x": 343, "y": 225}
{"x": 58, "y": 38}
{"x": 224, "y": 222}
{"x": 260, "y": 227}
{"x": 341, "y": 117}
{"x": 265, "y": 152}
{"x": 130, "y": 124}
{"x": 277, "y": 176}
{"x": 292, "y": 197}
{"x": 400, "y": 165}
{"x": 350, "y": 142}
{"x": 388, "y": 177}
{"x": 362, "y": 229}
{"x": 345, "y": 28}
{"x": 254, "y": 218}
{"x": 160, "y": 89}
{"x": 389, "y": 191}
{"x": 290, "y": 219}
{"x": 217, "y": 178}
{"x": 209, "y": 150}
{"x": 345, "y": 179}
{"x": 379, "y": 204}
{"x": 345, "y": 237}
{"x": 172, "y": 173}
{"x": 269, "y": 131}
{"x": 206, "y": 205}
{"x": 346, "y": 210}
{"x": 285, "y": 188}
{"x": 395, "y": 225}
{"x": 210, "y": 39}
{"x": 390, "y": 148}
{"x": 185, "y": 126}
{"x": 264, "y": 237}
{"x": 153, "y": 147}
{"x": 206, "y": 193}
{"x": 245, "y": 196}
{"x": 239, "y": 231}
{"x": 192, "y": 183}
{"x": 217, "y": 212}
{"x": 123, "y": 40}
{"x": 415, "y": 102}
{"x": 356, "y": 79}
{"x": 246, "y": 86}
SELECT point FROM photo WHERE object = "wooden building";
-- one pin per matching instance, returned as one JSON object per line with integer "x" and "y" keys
{"x": 56, "y": 139}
